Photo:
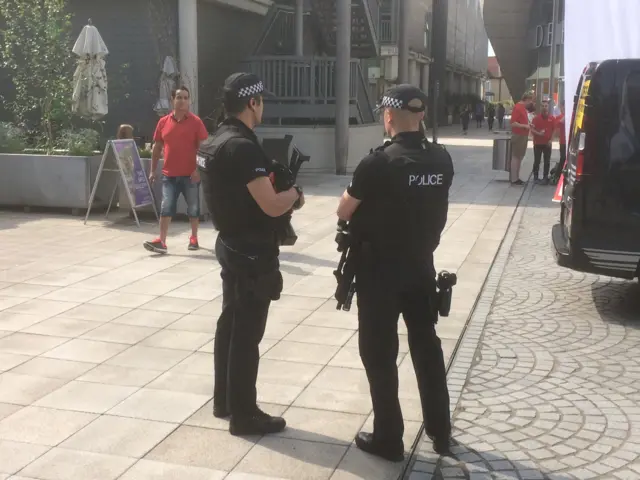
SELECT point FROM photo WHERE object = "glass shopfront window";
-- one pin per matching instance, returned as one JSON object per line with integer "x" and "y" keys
{"x": 539, "y": 55}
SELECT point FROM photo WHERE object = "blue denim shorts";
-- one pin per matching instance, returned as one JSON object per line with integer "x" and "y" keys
{"x": 172, "y": 187}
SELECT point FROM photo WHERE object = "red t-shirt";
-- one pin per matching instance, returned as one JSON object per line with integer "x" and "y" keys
{"x": 546, "y": 124}
{"x": 519, "y": 115}
{"x": 181, "y": 140}
{"x": 561, "y": 127}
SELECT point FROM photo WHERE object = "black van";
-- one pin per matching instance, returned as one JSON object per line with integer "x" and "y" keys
{"x": 599, "y": 229}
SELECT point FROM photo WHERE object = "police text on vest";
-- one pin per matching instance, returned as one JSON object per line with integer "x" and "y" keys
{"x": 428, "y": 180}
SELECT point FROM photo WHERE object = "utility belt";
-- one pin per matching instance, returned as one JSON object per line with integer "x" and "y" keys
{"x": 390, "y": 255}
{"x": 251, "y": 241}
{"x": 254, "y": 262}
{"x": 407, "y": 268}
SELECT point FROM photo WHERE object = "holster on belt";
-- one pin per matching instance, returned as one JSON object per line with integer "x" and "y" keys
{"x": 257, "y": 272}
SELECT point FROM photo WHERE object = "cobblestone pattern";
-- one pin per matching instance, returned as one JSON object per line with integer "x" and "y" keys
{"x": 554, "y": 390}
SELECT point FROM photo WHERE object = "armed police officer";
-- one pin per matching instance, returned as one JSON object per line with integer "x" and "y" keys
{"x": 246, "y": 211}
{"x": 396, "y": 206}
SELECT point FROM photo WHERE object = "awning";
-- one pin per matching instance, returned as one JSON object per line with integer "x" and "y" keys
{"x": 543, "y": 73}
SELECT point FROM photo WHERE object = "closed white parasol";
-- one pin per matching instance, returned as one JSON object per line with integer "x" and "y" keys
{"x": 90, "y": 99}
{"x": 167, "y": 84}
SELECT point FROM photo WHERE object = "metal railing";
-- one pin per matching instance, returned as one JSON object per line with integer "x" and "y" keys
{"x": 282, "y": 19}
{"x": 373, "y": 11}
{"x": 386, "y": 32}
{"x": 301, "y": 79}
{"x": 310, "y": 80}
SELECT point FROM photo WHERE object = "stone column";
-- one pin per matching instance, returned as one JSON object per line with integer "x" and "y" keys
{"x": 299, "y": 27}
{"x": 425, "y": 77}
{"x": 414, "y": 76}
{"x": 343, "y": 70}
{"x": 437, "y": 75}
{"x": 188, "y": 43}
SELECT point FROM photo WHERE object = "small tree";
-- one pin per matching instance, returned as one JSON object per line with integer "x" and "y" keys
{"x": 36, "y": 50}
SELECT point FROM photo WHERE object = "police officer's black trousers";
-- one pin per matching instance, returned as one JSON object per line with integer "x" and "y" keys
{"x": 239, "y": 332}
{"x": 380, "y": 302}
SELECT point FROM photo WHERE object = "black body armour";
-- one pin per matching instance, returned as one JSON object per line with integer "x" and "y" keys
{"x": 206, "y": 156}
{"x": 407, "y": 212}
{"x": 220, "y": 196}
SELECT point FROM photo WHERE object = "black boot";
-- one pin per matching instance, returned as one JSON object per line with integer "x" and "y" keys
{"x": 257, "y": 423}
{"x": 220, "y": 410}
{"x": 366, "y": 443}
{"x": 441, "y": 445}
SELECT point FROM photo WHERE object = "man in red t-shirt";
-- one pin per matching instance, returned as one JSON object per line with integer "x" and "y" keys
{"x": 519, "y": 136}
{"x": 179, "y": 134}
{"x": 543, "y": 126}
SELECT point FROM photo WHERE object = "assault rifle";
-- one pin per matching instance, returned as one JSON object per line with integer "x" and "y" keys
{"x": 346, "y": 271}
{"x": 283, "y": 178}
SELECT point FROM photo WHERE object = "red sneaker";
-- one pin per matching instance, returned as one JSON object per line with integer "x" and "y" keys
{"x": 157, "y": 246}
{"x": 193, "y": 243}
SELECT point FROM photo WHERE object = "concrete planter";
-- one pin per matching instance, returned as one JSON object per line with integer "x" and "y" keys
{"x": 319, "y": 143}
{"x": 53, "y": 181}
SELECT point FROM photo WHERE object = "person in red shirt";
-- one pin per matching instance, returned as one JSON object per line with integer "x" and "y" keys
{"x": 519, "y": 136}
{"x": 179, "y": 134}
{"x": 543, "y": 126}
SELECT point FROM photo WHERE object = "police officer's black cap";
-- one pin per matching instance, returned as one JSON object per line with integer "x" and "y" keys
{"x": 404, "y": 97}
{"x": 244, "y": 85}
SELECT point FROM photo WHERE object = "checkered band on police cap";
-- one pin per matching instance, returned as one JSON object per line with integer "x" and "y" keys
{"x": 390, "y": 102}
{"x": 251, "y": 90}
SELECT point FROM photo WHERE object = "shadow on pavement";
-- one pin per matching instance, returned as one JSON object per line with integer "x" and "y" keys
{"x": 305, "y": 259}
{"x": 463, "y": 463}
{"x": 466, "y": 462}
{"x": 355, "y": 462}
{"x": 617, "y": 301}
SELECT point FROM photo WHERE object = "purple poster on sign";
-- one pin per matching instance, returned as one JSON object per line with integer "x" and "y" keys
{"x": 134, "y": 172}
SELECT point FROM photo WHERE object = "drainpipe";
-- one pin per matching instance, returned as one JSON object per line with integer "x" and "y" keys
{"x": 343, "y": 69}
{"x": 403, "y": 42}
{"x": 299, "y": 27}
{"x": 188, "y": 42}
{"x": 552, "y": 68}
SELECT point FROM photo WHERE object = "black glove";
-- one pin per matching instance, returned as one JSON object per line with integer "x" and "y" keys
{"x": 282, "y": 178}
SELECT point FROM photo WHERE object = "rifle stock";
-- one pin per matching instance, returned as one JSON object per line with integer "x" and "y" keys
{"x": 345, "y": 276}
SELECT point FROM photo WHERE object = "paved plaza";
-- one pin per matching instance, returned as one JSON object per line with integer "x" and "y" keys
{"x": 106, "y": 351}
{"x": 553, "y": 390}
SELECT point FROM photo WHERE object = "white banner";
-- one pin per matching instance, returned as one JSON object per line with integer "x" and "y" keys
{"x": 597, "y": 30}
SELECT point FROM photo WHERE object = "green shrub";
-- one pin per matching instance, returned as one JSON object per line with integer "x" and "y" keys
{"x": 80, "y": 143}
{"x": 12, "y": 138}
{"x": 144, "y": 153}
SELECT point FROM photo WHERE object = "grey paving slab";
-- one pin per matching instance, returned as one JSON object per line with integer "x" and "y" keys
{"x": 549, "y": 387}
{"x": 106, "y": 351}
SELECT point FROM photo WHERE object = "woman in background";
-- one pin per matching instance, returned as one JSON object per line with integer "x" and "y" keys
{"x": 125, "y": 132}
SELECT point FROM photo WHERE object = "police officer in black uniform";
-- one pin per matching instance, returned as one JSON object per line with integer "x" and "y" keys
{"x": 397, "y": 207}
{"x": 245, "y": 210}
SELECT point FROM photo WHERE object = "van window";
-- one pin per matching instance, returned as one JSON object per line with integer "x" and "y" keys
{"x": 632, "y": 102}
{"x": 625, "y": 146}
